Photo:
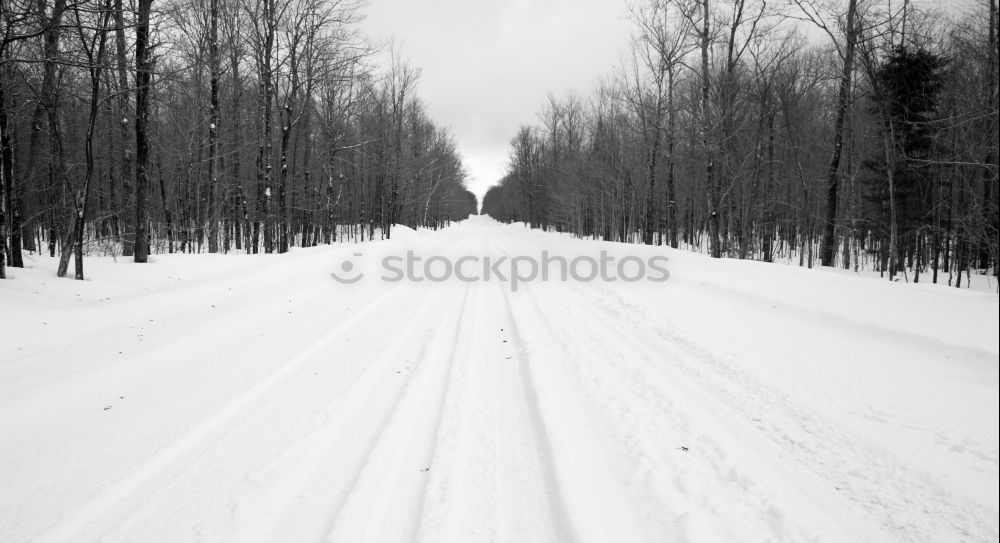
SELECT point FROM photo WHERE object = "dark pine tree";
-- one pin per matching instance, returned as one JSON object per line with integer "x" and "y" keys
{"x": 908, "y": 84}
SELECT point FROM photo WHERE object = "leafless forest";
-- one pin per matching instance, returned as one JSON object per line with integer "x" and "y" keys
{"x": 855, "y": 134}
{"x": 210, "y": 125}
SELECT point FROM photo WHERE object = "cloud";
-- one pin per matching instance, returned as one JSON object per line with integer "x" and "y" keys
{"x": 487, "y": 66}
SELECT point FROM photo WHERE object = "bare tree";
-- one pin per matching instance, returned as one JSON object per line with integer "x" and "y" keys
{"x": 845, "y": 48}
{"x": 92, "y": 46}
{"x": 143, "y": 79}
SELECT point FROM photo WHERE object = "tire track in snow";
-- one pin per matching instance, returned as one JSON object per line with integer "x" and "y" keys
{"x": 816, "y": 447}
{"x": 100, "y": 513}
{"x": 301, "y": 489}
{"x": 670, "y": 486}
{"x": 592, "y": 505}
{"x": 207, "y": 362}
{"x": 385, "y": 501}
{"x": 305, "y": 269}
{"x": 317, "y": 477}
{"x": 684, "y": 480}
{"x": 491, "y": 480}
{"x": 269, "y": 461}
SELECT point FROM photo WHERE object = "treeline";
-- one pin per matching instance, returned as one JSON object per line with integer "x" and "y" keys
{"x": 209, "y": 125}
{"x": 848, "y": 136}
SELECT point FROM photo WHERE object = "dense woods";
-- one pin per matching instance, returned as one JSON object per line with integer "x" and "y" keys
{"x": 137, "y": 127}
{"x": 852, "y": 134}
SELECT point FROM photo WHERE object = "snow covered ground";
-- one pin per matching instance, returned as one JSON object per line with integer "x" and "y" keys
{"x": 254, "y": 398}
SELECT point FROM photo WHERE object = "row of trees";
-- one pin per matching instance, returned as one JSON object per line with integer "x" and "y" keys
{"x": 848, "y": 135}
{"x": 209, "y": 125}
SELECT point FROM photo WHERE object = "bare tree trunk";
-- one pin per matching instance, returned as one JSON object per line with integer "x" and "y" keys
{"x": 123, "y": 218}
{"x": 48, "y": 105}
{"x": 95, "y": 61}
{"x": 286, "y": 132}
{"x": 843, "y": 101}
{"x": 706, "y": 127}
{"x": 143, "y": 78}
{"x": 671, "y": 161}
{"x": 769, "y": 187}
{"x": 6, "y": 171}
{"x": 654, "y": 152}
{"x": 8, "y": 186}
{"x": 213, "y": 127}
{"x": 56, "y": 163}
{"x": 991, "y": 195}
{"x": 264, "y": 52}
{"x": 890, "y": 174}
{"x": 307, "y": 188}
{"x": 239, "y": 204}
{"x": 44, "y": 105}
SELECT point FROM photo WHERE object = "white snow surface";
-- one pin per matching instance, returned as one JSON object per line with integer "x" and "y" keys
{"x": 253, "y": 398}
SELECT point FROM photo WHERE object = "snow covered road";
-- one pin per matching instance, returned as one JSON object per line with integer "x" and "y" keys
{"x": 254, "y": 398}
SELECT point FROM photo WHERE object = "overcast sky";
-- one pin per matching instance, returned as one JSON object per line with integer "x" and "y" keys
{"x": 488, "y": 65}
